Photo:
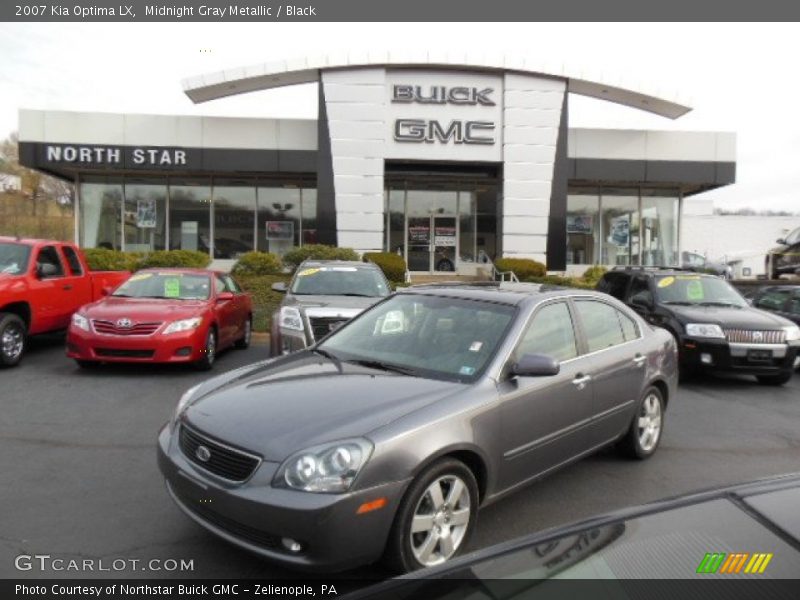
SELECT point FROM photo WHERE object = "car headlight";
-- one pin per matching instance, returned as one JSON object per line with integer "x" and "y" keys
{"x": 792, "y": 334}
{"x": 183, "y": 325}
{"x": 182, "y": 404}
{"x": 705, "y": 330}
{"x": 328, "y": 468}
{"x": 80, "y": 321}
{"x": 291, "y": 319}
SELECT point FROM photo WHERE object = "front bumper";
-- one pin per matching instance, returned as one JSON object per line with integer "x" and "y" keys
{"x": 256, "y": 516}
{"x": 720, "y": 355}
{"x": 181, "y": 347}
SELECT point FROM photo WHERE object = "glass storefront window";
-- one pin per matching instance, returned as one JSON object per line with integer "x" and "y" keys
{"x": 190, "y": 215}
{"x": 396, "y": 220}
{"x": 620, "y": 226}
{"x": 234, "y": 218}
{"x": 488, "y": 206}
{"x": 100, "y": 214}
{"x": 145, "y": 215}
{"x": 278, "y": 218}
{"x": 466, "y": 220}
{"x": 583, "y": 227}
{"x": 660, "y": 227}
{"x": 308, "y": 215}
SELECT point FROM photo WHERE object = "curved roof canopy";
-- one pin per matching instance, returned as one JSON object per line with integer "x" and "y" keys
{"x": 292, "y": 72}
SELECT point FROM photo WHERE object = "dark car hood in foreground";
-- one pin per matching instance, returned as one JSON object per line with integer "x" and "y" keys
{"x": 728, "y": 318}
{"x": 303, "y": 400}
{"x": 663, "y": 540}
{"x": 143, "y": 310}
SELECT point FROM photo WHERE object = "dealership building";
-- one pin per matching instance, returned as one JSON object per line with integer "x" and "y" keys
{"x": 451, "y": 163}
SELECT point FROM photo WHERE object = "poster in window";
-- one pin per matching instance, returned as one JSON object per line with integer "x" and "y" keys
{"x": 620, "y": 230}
{"x": 280, "y": 230}
{"x": 580, "y": 224}
{"x": 146, "y": 213}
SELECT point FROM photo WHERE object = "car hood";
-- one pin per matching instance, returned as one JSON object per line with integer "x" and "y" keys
{"x": 729, "y": 318}
{"x": 349, "y": 305}
{"x": 143, "y": 310}
{"x": 304, "y": 400}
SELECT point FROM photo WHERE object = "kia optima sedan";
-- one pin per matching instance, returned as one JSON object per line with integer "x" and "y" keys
{"x": 384, "y": 439}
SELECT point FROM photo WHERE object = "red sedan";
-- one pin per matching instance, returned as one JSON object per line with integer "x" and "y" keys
{"x": 164, "y": 316}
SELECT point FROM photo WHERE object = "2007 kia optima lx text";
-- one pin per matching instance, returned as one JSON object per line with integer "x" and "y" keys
{"x": 385, "y": 438}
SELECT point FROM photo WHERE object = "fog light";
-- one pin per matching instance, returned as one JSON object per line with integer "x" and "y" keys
{"x": 706, "y": 359}
{"x": 291, "y": 545}
{"x": 185, "y": 351}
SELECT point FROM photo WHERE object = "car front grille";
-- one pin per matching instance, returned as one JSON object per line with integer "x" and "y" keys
{"x": 110, "y": 328}
{"x": 123, "y": 353}
{"x": 222, "y": 460}
{"x": 240, "y": 530}
{"x": 322, "y": 326}
{"x": 749, "y": 336}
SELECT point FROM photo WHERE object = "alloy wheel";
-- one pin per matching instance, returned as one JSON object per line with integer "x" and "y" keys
{"x": 649, "y": 422}
{"x": 12, "y": 341}
{"x": 440, "y": 520}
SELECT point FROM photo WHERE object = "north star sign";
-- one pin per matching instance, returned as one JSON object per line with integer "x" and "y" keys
{"x": 110, "y": 155}
{"x": 431, "y": 130}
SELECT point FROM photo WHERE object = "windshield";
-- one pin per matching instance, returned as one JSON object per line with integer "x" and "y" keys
{"x": 340, "y": 281}
{"x": 14, "y": 258}
{"x": 429, "y": 336}
{"x": 697, "y": 289}
{"x": 175, "y": 286}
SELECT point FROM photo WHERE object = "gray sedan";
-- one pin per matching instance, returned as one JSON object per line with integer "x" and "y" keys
{"x": 383, "y": 440}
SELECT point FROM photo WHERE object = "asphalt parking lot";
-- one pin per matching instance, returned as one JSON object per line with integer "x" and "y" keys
{"x": 80, "y": 481}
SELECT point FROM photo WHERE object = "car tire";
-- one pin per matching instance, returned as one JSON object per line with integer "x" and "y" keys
{"x": 86, "y": 364}
{"x": 13, "y": 339}
{"x": 445, "y": 519}
{"x": 274, "y": 338}
{"x": 781, "y": 379}
{"x": 209, "y": 351}
{"x": 244, "y": 342}
{"x": 644, "y": 434}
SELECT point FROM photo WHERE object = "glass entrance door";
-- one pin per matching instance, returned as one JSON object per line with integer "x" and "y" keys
{"x": 432, "y": 242}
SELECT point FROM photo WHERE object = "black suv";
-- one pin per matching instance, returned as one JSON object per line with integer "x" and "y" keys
{"x": 785, "y": 258}
{"x": 714, "y": 326}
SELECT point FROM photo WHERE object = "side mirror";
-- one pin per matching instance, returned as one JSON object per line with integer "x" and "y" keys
{"x": 535, "y": 365}
{"x": 45, "y": 270}
{"x": 280, "y": 286}
{"x": 224, "y": 296}
{"x": 781, "y": 241}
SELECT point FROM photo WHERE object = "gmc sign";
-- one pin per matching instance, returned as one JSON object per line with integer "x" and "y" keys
{"x": 461, "y": 132}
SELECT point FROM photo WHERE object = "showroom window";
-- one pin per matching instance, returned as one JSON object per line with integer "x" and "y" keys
{"x": 145, "y": 215}
{"x": 583, "y": 227}
{"x": 278, "y": 218}
{"x": 659, "y": 228}
{"x": 234, "y": 218}
{"x": 620, "y": 226}
{"x": 100, "y": 210}
{"x": 190, "y": 214}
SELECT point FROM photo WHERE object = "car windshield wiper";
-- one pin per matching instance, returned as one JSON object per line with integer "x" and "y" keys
{"x": 356, "y": 294}
{"x": 376, "y": 364}
{"x": 717, "y": 303}
{"x": 331, "y": 356}
{"x": 678, "y": 302}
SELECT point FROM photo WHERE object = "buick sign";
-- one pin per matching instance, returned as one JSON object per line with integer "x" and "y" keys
{"x": 441, "y": 94}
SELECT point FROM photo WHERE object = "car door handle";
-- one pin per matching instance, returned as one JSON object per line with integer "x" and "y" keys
{"x": 67, "y": 287}
{"x": 581, "y": 380}
{"x": 639, "y": 360}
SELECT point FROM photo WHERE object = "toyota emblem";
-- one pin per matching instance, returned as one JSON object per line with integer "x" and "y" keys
{"x": 124, "y": 323}
{"x": 202, "y": 453}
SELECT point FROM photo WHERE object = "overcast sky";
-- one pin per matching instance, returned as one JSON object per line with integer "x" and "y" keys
{"x": 738, "y": 77}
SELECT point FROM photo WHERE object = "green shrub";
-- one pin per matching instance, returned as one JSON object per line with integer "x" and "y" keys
{"x": 258, "y": 263}
{"x": 593, "y": 274}
{"x": 393, "y": 265}
{"x": 103, "y": 259}
{"x": 523, "y": 268}
{"x": 189, "y": 259}
{"x": 295, "y": 256}
{"x": 265, "y": 301}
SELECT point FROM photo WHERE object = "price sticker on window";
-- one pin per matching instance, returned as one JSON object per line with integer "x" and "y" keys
{"x": 694, "y": 290}
{"x": 172, "y": 288}
{"x": 666, "y": 282}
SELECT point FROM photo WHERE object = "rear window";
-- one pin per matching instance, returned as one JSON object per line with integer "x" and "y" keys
{"x": 614, "y": 284}
{"x": 72, "y": 260}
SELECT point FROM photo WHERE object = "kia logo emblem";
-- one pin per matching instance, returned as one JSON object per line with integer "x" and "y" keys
{"x": 124, "y": 323}
{"x": 202, "y": 453}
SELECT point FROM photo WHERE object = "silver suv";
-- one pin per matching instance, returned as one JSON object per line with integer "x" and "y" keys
{"x": 322, "y": 295}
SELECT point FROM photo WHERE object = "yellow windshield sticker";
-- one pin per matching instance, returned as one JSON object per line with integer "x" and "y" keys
{"x": 694, "y": 290}
{"x": 172, "y": 287}
{"x": 140, "y": 276}
{"x": 667, "y": 281}
{"x": 307, "y": 272}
